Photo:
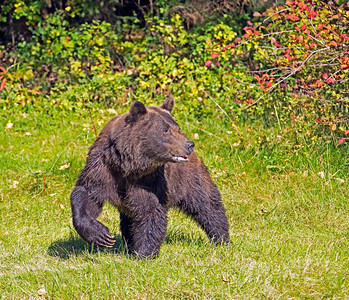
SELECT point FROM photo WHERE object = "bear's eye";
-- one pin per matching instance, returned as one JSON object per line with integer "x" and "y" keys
{"x": 166, "y": 131}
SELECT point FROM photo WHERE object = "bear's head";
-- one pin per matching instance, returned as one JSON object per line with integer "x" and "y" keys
{"x": 155, "y": 134}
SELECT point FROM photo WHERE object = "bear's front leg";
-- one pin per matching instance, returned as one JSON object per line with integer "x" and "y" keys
{"x": 85, "y": 212}
{"x": 149, "y": 223}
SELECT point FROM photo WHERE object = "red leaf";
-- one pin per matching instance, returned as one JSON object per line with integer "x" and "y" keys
{"x": 341, "y": 141}
{"x": 304, "y": 27}
{"x": 346, "y": 132}
{"x": 262, "y": 87}
{"x": 325, "y": 76}
{"x": 333, "y": 43}
{"x": 302, "y": 6}
{"x": 208, "y": 63}
{"x": 268, "y": 85}
{"x": 293, "y": 17}
{"x": 312, "y": 14}
{"x": 2, "y": 86}
{"x": 312, "y": 45}
{"x": 319, "y": 83}
{"x": 333, "y": 127}
{"x": 330, "y": 80}
{"x": 249, "y": 32}
{"x": 214, "y": 55}
{"x": 256, "y": 14}
{"x": 266, "y": 76}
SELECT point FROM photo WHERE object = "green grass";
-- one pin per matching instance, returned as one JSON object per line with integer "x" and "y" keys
{"x": 287, "y": 204}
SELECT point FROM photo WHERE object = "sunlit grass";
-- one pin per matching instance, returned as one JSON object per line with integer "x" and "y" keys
{"x": 287, "y": 205}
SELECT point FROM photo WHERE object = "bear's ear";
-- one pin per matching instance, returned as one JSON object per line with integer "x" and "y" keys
{"x": 168, "y": 104}
{"x": 137, "y": 109}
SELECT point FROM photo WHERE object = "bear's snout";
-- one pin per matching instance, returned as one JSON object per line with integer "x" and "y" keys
{"x": 190, "y": 146}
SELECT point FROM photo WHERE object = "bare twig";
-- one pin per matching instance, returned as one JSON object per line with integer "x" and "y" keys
{"x": 321, "y": 42}
{"x": 265, "y": 35}
{"x": 238, "y": 80}
{"x": 43, "y": 179}
{"x": 289, "y": 75}
{"x": 280, "y": 11}
{"x": 217, "y": 104}
{"x": 236, "y": 128}
{"x": 94, "y": 127}
{"x": 203, "y": 130}
{"x": 271, "y": 69}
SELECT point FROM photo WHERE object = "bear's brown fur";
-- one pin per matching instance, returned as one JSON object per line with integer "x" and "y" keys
{"x": 143, "y": 164}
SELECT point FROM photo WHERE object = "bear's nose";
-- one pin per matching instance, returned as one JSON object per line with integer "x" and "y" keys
{"x": 190, "y": 146}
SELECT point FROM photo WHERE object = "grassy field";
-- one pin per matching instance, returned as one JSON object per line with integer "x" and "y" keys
{"x": 287, "y": 205}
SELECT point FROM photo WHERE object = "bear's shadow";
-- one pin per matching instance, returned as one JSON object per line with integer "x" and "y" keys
{"x": 75, "y": 246}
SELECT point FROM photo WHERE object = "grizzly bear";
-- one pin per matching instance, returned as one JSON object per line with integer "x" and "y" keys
{"x": 143, "y": 164}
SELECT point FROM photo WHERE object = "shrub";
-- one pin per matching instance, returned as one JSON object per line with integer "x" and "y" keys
{"x": 300, "y": 48}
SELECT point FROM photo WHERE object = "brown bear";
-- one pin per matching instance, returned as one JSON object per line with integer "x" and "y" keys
{"x": 143, "y": 164}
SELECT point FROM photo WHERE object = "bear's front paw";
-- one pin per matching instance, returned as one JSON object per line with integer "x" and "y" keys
{"x": 97, "y": 234}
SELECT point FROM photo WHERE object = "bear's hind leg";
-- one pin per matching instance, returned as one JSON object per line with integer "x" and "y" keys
{"x": 207, "y": 209}
{"x": 126, "y": 227}
{"x": 85, "y": 212}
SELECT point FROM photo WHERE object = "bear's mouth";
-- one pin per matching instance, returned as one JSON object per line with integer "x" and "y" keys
{"x": 180, "y": 158}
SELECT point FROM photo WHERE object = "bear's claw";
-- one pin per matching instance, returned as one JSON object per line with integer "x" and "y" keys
{"x": 105, "y": 243}
{"x": 97, "y": 234}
